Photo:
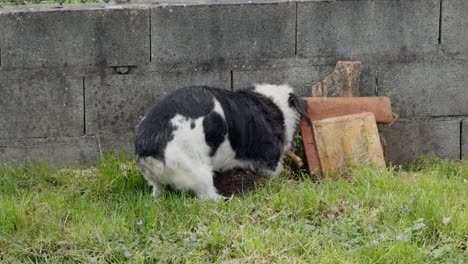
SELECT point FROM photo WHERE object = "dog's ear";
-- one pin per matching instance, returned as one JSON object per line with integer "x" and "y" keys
{"x": 300, "y": 105}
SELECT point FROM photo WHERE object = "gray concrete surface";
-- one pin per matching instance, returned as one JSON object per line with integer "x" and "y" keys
{"x": 62, "y": 151}
{"x": 12, "y": 151}
{"x": 300, "y": 78}
{"x": 65, "y": 151}
{"x": 116, "y": 143}
{"x": 407, "y": 139}
{"x": 116, "y": 103}
{"x": 56, "y": 37}
{"x": 40, "y": 104}
{"x": 455, "y": 27}
{"x": 367, "y": 28}
{"x": 210, "y": 33}
{"x": 426, "y": 89}
{"x": 369, "y": 82}
{"x": 66, "y": 94}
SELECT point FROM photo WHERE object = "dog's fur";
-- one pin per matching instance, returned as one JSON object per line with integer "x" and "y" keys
{"x": 198, "y": 130}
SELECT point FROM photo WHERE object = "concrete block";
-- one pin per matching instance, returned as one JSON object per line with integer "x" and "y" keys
{"x": 62, "y": 151}
{"x": 365, "y": 28}
{"x": 213, "y": 33}
{"x": 11, "y": 151}
{"x": 116, "y": 103}
{"x": 113, "y": 143}
{"x": 407, "y": 139}
{"x": 40, "y": 104}
{"x": 425, "y": 89}
{"x": 84, "y": 35}
{"x": 301, "y": 78}
{"x": 455, "y": 27}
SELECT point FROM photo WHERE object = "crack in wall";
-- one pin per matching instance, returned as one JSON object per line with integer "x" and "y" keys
{"x": 440, "y": 23}
{"x": 232, "y": 80}
{"x": 150, "y": 36}
{"x": 376, "y": 89}
{"x": 461, "y": 139}
{"x": 295, "y": 33}
{"x": 84, "y": 106}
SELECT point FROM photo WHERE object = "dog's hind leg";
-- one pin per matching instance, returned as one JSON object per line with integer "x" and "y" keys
{"x": 198, "y": 179}
{"x": 152, "y": 169}
{"x": 204, "y": 189}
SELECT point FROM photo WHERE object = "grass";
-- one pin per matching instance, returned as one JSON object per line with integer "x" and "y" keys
{"x": 412, "y": 214}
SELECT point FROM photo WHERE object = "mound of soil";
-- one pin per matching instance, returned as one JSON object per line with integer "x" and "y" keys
{"x": 236, "y": 181}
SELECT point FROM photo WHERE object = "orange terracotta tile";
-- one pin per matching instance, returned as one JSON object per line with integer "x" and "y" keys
{"x": 326, "y": 107}
{"x": 347, "y": 140}
{"x": 320, "y": 108}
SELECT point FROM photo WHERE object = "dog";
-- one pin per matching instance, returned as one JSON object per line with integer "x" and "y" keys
{"x": 195, "y": 131}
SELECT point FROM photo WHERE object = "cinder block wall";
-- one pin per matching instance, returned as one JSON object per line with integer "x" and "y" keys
{"x": 74, "y": 81}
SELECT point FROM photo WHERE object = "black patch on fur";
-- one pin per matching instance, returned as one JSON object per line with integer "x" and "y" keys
{"x": 300, "y": 105}
{"x": 153, "y": 133}
{"x": 192, "y": 125}
{"x": 215, "y": 131}
{"x": 255, "y": 125}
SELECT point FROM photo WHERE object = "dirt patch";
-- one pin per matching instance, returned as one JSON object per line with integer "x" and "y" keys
{"x": 236, "y": 181}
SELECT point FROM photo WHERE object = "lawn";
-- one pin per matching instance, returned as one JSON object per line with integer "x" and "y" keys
{"x": 410, "y": 214}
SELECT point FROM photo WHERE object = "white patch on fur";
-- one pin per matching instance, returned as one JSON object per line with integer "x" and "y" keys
{"x": 225, "y": 158}
{"x": 187, "y": 163}
{"x": 218, "y": 109}
{"x": 280, "y": 95}
{"x": 271, "y": 174}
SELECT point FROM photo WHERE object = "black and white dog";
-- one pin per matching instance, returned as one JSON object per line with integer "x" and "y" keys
{"x": 198, "y": 130}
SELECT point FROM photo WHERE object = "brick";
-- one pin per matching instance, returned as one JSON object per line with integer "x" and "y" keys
{"x": 328, "y": 107}
{"x": 40, "y": 104}
{"x": 216, "y": 32}
{"x": 11, "y": 151}
{"x": 62, "y": 151}
{"x": 407, "y": 139}
{"x": 455, "y": 27}
{"x": 366, "y": 28}
{"x": 343, "y": 81}
{"x": 347, "y": 140}
{"x": 115, "y": 103}
{"x": 300, "y": 78}
{"x": 43, "y": 36}
{"x": 425, "y": 89}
